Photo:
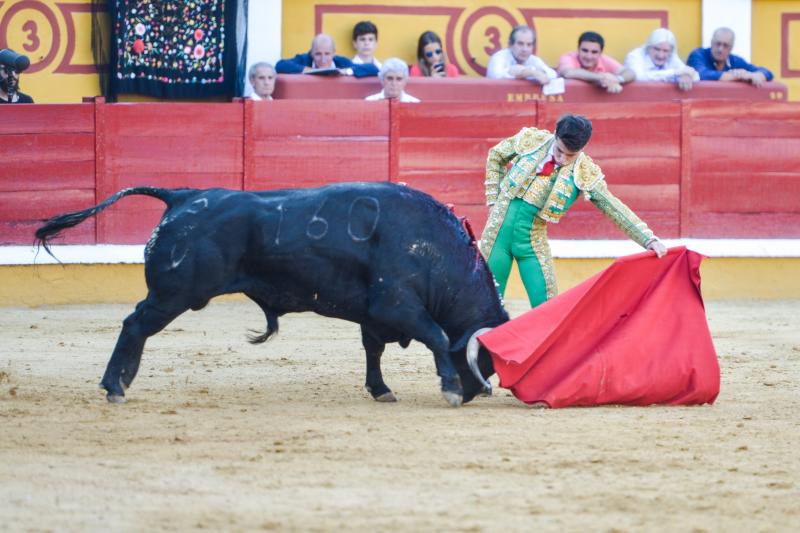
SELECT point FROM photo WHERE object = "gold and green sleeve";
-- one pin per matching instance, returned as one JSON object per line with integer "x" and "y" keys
{"x": 498, "y": 158}
{"x": 620, "y": 214}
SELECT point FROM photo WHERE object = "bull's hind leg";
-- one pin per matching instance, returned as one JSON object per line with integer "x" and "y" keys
{"x": 144, "y": 322}
{"x": 406, "y": 314}
{"x": 375, "y": 385}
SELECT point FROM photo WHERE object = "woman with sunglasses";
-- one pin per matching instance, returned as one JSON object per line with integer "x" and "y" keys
{"x": 431, "y": 59}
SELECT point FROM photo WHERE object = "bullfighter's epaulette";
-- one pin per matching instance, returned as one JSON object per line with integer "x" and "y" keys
{"x": 529, "y": 139}
{"x": 587, "y": 173}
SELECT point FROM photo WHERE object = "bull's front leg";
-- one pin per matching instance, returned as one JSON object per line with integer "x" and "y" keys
{"x": 374, "y": 382}
{"x": 429, "y": 333}
{"x": 451, "y": 382}
{"x": 406, "y": 314}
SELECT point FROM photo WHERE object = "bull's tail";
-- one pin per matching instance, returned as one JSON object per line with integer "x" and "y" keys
{"x": 53, "y": 227}
{"x": 272, "y": 328}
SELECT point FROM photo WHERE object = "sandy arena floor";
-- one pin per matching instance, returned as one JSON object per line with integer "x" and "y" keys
{"x": 221, "y": 435}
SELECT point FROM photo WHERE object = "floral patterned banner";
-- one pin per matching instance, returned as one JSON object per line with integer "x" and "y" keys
{"x": 173, "y": 48}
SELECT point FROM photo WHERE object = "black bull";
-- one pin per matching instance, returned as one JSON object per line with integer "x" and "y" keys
{"x": 385, "y": 256}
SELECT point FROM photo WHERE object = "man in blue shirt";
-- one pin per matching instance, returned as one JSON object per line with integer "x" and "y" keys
{"x": 719, "y": 64}
{"x": 322, "y": 58}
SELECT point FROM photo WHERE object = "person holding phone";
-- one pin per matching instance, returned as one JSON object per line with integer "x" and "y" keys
{"x": 432, "y": 59}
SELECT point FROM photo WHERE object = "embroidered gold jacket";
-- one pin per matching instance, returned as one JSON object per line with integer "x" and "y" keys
{"x": 555, "y": 194}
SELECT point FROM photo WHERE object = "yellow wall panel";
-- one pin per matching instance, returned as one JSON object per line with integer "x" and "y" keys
{"x": 776, "y": 41}
{"x": 56, "y": 36}
{"x": 473, "y": 30}
{"x": 723, "y": 278}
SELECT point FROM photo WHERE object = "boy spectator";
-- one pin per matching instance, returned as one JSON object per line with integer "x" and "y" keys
{"x": 657, "y": 60}
{"x": 517, "y": 61}
{"x": 719, "y": 64}
{"x": 590, "y": 64}
{"x": 393, "y": 76}
{"x": 262, "y": 77}
{"x": 365, "y": 41}
{"x": 322, "y": 55}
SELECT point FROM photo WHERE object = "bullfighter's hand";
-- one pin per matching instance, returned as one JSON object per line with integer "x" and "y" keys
{"x": 658, "y": 247}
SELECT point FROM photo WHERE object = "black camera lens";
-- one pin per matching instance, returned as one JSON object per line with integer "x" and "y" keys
{"x": 13, "y": 60}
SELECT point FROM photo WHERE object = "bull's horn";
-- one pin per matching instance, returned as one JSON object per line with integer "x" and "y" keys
{"x": 473, "y": 348}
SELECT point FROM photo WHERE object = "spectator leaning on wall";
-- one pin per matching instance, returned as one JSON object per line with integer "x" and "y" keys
{"x": 657, "y": 60}
{"x": 589, "y": 63}
{"x": 717, "y": 63}
{"x": 517, "y": 61}
{"x": 322, "y": 57}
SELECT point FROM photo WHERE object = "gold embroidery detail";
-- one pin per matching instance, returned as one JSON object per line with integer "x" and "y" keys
{"x": 621, "y": 215}
{"x": 498, "y": 156}
{"x": 587, "y": 173}
{"x": 493, "y": 223}
{"x": 555, "y": 204}
{"x": 529, "y": 139}
{"x": 541, "y": 247}
{"x": 536, "y": 190}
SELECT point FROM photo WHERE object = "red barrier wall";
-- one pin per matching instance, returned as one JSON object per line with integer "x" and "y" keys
{"x": 47, "y": 166}
{"x": 743, "y": 169}
{"x": 308, "y": 144}
{"x": 690, "y": 169}
{"x": 638, "y": 146}
{"x": 163, "y": 145}
{"x": 442, "y": 149}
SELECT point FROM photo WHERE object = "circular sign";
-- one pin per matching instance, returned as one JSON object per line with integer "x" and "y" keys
{"x": 34, "y": 24}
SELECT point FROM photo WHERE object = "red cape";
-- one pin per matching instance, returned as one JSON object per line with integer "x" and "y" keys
{"x": 634, "y": 334}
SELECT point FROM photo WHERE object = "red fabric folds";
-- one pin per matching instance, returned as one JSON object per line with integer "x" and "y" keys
{"x": 634, "y": 334}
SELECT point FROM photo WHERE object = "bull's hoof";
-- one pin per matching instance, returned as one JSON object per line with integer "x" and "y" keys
{"x": 115, "y": 398}
{"x": 386, "y": 397}
{"x": 114, "y": 394}
{"x": 453, "y": 398}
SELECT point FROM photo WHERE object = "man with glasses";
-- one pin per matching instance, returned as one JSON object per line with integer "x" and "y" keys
{"x": 518, "y": 62}
{"x": 719, "y": 64}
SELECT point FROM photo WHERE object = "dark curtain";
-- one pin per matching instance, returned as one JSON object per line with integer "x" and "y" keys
{"x": 241, "y": 40}
{"x": 101, "y": 47}
{"x": 172, "y": 49}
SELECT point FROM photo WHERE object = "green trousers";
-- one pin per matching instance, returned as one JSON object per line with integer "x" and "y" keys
{"x": 514, "y": 242}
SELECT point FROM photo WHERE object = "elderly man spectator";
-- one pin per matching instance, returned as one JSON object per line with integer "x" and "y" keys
{"x": 657, "y": 60}
{"x": 719, "y": 64}
{"x": 262, "y": 78}
{"x": 393, "y": 76}
{"x": 322, "y": 56}
{"x": 589, "y": 63}
{"x": 517, "y": 61}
